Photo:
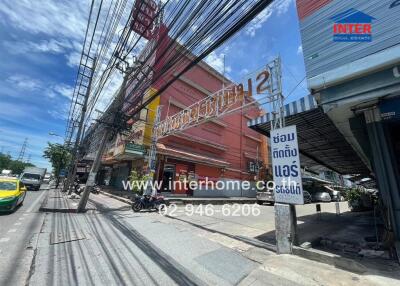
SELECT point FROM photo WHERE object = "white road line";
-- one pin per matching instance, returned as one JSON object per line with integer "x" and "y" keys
{"x": 4, "y": 239}
{"x": 21, "y": 218}
{"x": 13, "y": 230}
{"x": 34, "y": 203}
{"x": 25, "y": 214}
{"x": 17, "y": 223}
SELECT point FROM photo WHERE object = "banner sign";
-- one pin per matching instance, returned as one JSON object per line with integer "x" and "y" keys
{"x": 286, "y": 166}
{"x": 219, "y": 103}
{"x": 143, "y": 17}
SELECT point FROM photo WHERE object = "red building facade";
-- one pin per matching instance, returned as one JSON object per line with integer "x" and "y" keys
{"x": 220, "y": 149}
{"x": 224, "y": 148}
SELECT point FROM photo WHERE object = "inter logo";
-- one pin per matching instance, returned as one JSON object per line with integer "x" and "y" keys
{"x": 352, "y": 26}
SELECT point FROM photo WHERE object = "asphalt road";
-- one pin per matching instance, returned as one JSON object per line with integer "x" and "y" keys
{"x": 17, "y": 230}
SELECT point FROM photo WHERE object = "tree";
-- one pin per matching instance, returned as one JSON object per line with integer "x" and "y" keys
{"x": 15, "y": 166}
{"x": 58, "y": 155}
{"x": 5, "y": 161}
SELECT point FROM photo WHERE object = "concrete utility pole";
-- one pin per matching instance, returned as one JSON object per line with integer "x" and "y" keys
{"x": 285, "y": 214}
{"x": 74, "y": 159}
{"x": 97, "y": 161}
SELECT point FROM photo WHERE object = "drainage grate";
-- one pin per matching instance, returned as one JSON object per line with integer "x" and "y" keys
{"x": 62, "y": 237}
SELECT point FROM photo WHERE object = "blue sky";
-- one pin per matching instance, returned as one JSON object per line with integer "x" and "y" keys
{"x": 40, "y": 47}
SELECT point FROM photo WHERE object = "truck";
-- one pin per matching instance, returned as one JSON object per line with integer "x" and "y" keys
{"x": 32, "y": 177}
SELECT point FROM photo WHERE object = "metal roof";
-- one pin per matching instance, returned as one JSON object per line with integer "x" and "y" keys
{"x": 321, "y": 144}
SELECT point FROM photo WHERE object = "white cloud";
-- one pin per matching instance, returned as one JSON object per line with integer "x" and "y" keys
{"x": 73, "y": 59}
{"x": 57, "y": 18}
{"x": 63, "y": 89}
{"x": 217, "y": 62}
{"x": 300, "y": 50}
{"x": 278, "y": 7}
{"x": 63, "y": 22}
{"x": 23, "y": 82}
{"x": 44, "y": 46}
{"x": 26, "y": 83}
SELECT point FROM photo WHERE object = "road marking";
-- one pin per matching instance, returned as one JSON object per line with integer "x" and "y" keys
{"x": 4, "y": 239}
{"x": 34, "y": 203}
{"x": 25, "y": 214}
{"x": 21, "y": 218}
{"x": 17, "y": 223}
{"x": 13, "y": 230}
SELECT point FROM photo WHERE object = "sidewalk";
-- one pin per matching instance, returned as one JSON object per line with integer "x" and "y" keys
{"x": 128, "y": 196}
{"x": 57, "y": 201}
{"x": 114, "y": 246}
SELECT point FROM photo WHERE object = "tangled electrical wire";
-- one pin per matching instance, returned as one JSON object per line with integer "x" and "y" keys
{"x": 183, "y": 33}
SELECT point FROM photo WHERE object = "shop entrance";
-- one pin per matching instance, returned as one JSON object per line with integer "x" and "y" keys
{"x": 168, "y": 178}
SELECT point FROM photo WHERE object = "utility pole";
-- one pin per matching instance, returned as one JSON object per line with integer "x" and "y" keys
{"x": 285, "y": 214}
{"x": 22, "y": 152}
{"x": 119, "y": 100}
{"x": 74, "y": 159}
{"x": 29, "y": 158}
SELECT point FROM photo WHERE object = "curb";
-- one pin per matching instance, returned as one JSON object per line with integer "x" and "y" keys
{"x": 124, "y": 200}
{"x": 330, "y": 259}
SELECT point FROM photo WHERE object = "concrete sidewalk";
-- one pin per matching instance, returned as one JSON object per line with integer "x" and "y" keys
{"x": 126, "y": 196}
{"x": 58, "y": 201}
{"x": 114, "y": 246}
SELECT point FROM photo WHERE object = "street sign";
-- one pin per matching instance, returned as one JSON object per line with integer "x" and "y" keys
{"x": 286, "y": 166}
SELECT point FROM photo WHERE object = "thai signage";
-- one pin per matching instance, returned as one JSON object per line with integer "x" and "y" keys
{"x": 143, "y": 17}
{"x": 217, "y": 104}
{"x": 286, "y": 166}
{"x": 134, "y": 149}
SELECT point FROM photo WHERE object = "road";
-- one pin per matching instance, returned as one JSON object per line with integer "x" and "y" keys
{"x": 17, "y": 230}
{"x": 111, "y": 245}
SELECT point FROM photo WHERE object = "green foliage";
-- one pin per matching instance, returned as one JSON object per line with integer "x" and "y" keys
{"x": 58, "y": 155}
{"x": 15, "y": 166}
{"x": 360, "y": 200}
{"x": 353, "y": 195}
{"x": 135, "y": 176}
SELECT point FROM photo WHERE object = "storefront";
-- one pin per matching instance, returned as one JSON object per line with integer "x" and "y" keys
{"x": 178, "y": 166}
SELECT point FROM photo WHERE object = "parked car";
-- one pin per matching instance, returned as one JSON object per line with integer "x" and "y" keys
{"x": 47, "y": 178}
{"x": 321, "y": 197}
{"x": 265, "y": 196}
{"x": 307, "y": 197}
{"x": 335, "y": 194}
{"x": 12, "y": 193}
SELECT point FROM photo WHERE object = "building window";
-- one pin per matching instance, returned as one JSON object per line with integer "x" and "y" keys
{"x": 253, "y": 167}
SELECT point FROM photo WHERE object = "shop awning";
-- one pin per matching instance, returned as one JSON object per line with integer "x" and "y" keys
{"x": 190, "y": 157}
{"x": 321, "y": 144}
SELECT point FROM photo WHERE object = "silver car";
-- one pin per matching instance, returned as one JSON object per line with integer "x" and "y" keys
{"x": 322, "y": 197}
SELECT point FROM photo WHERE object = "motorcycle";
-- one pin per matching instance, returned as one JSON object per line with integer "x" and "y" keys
{"x": 147, "y": 202}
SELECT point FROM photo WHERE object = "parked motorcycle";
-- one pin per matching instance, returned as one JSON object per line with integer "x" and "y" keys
{"x": 147, "y": 202}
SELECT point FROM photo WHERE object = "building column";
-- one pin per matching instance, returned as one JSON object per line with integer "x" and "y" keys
{"x": 384, "y": 168}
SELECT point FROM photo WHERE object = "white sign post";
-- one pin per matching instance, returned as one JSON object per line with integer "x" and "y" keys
{"x": 286, "y": 166}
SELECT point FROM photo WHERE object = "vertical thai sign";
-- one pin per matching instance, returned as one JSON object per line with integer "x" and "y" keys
{"x": 286, "y": 166}
{"x": 143, "y": 16}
